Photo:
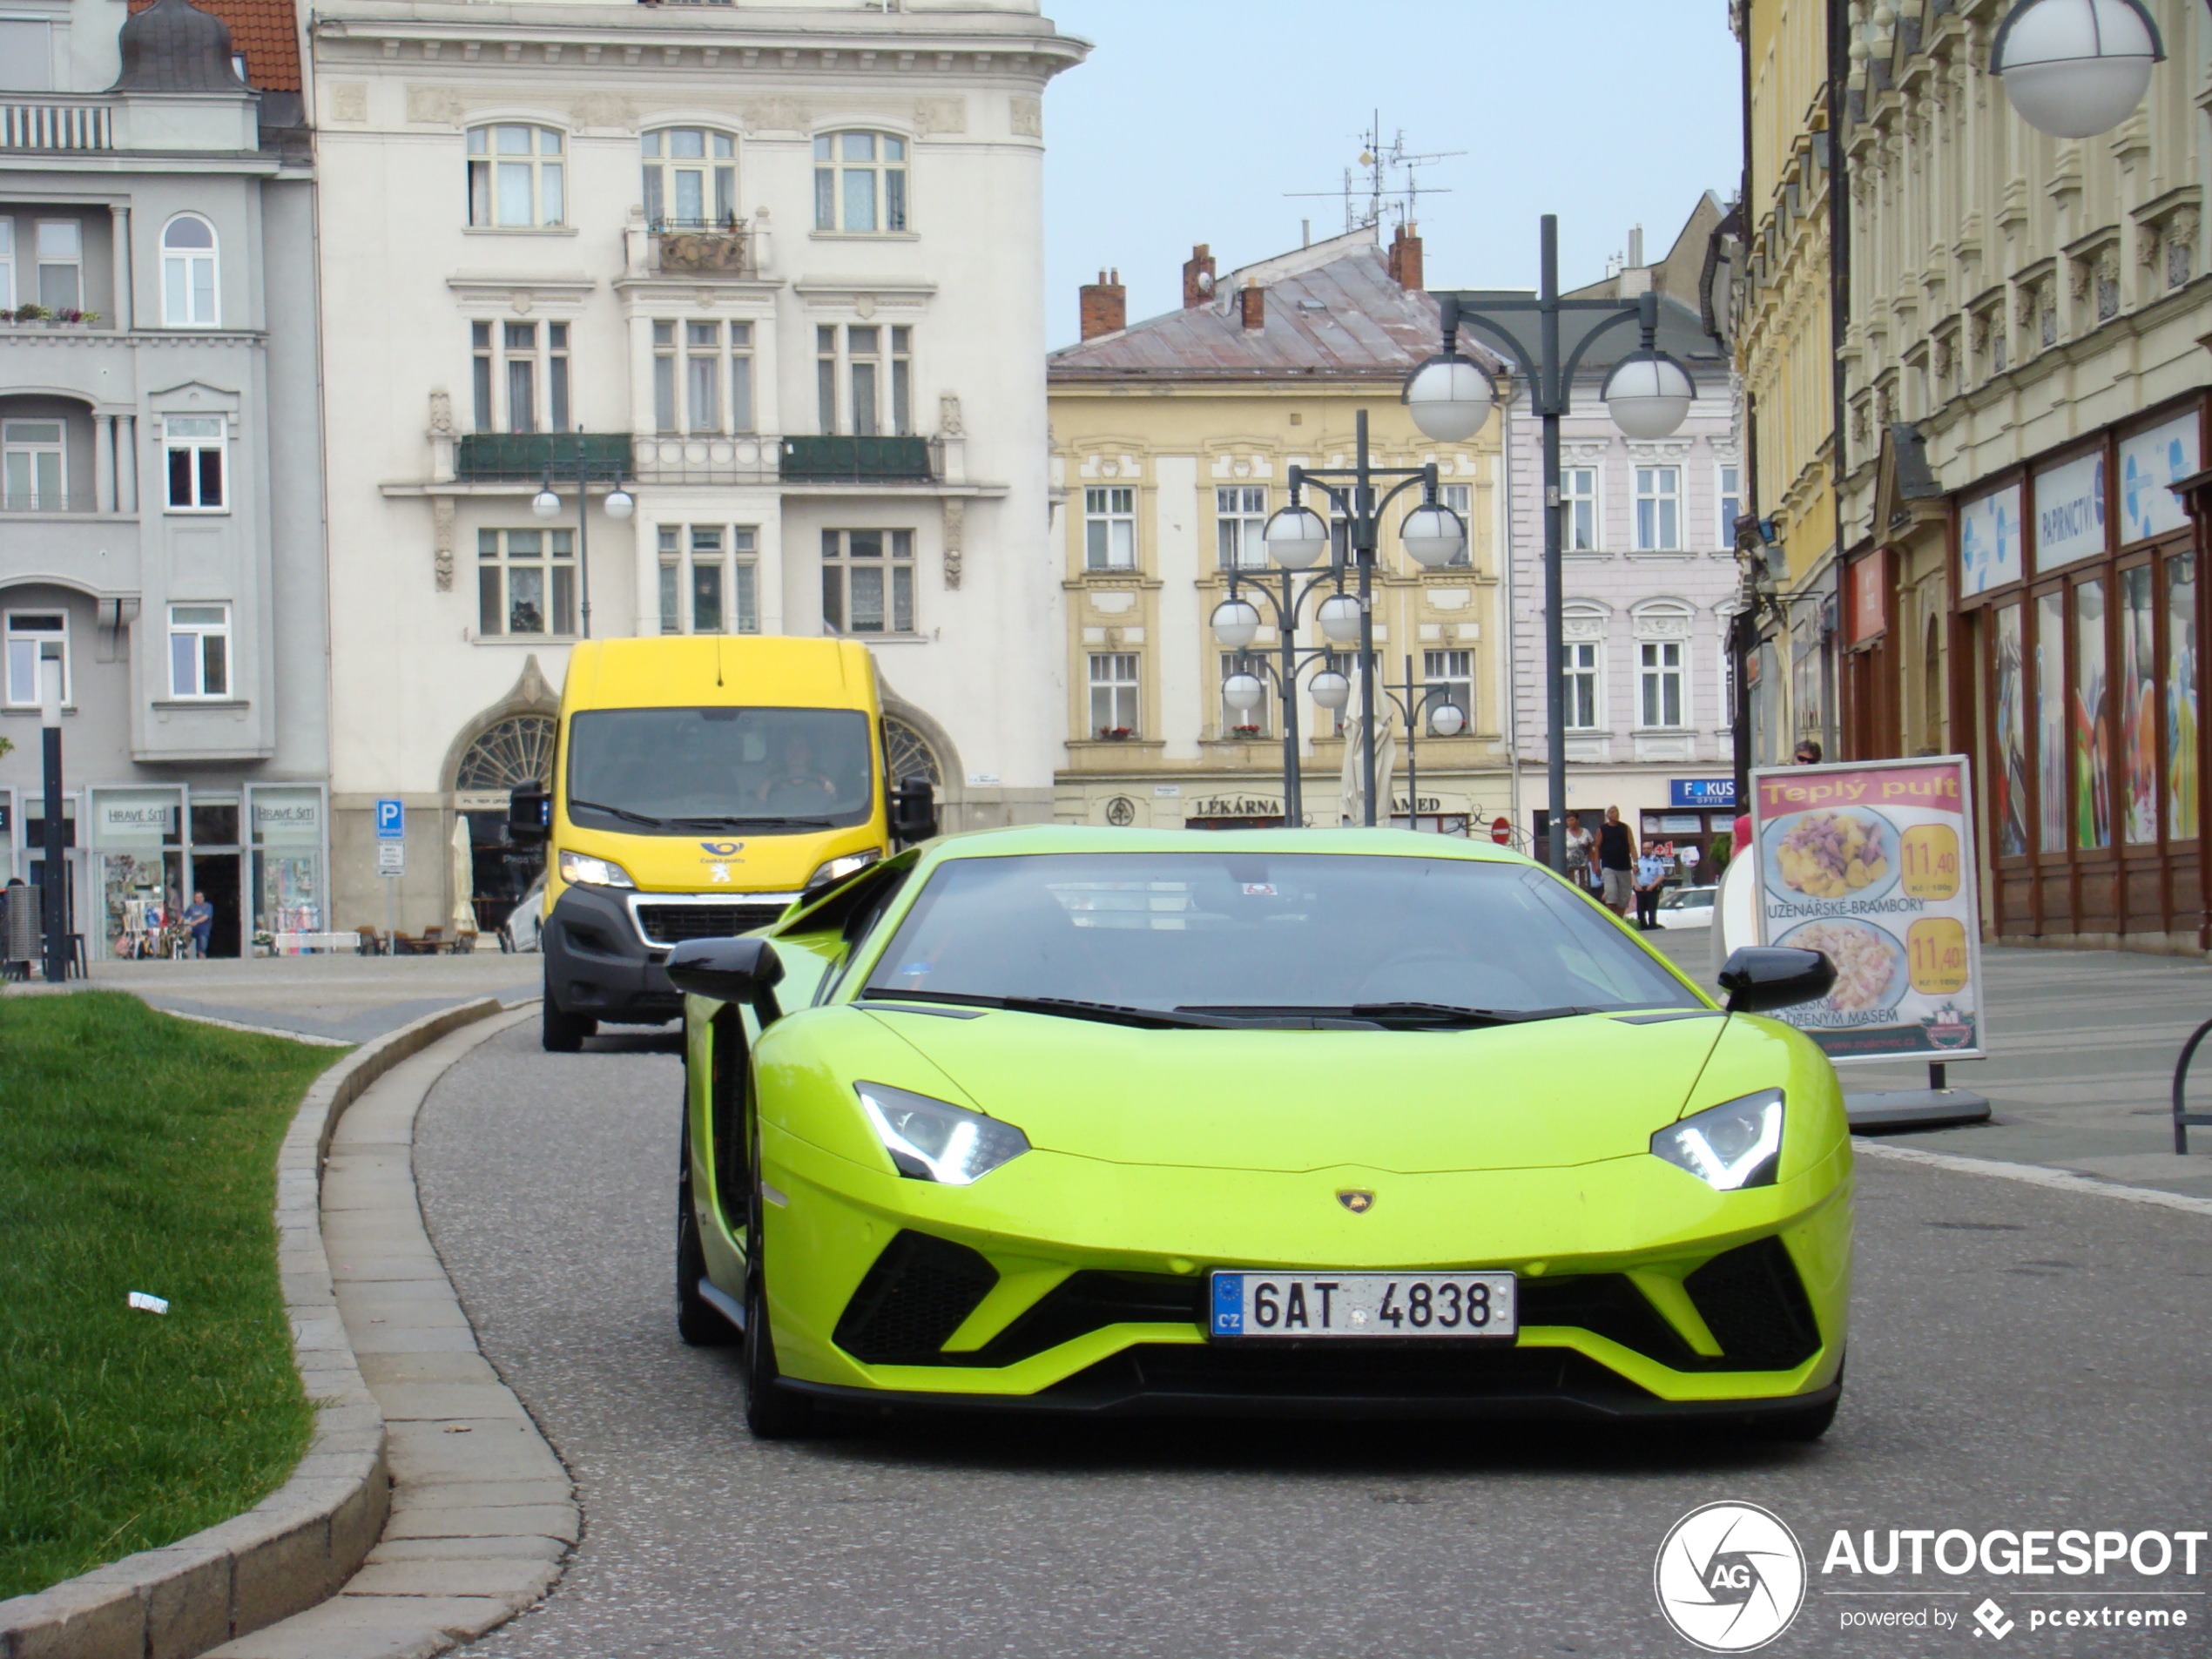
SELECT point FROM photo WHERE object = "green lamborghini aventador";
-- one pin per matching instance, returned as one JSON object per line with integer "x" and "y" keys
{"x": 1347, "y": 1122}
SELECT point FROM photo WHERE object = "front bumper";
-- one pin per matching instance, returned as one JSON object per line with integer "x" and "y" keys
{"x": 1642, "y": 1294}
{"x": 604, "y": 948}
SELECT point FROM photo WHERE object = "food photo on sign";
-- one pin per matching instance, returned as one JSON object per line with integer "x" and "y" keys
{"x": 1872, "y": 864}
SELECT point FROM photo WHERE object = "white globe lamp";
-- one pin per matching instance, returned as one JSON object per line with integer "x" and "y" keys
{"x": 1235, "y": 624}
{"x": 1434, "y": 536}
{"x": 1297, "y": 538}
{"x": 1450, "y": 397}
{"x": 2075, "y": 68}
{"x": 1649, "y": 394}
{"x": 1339, "y": 618}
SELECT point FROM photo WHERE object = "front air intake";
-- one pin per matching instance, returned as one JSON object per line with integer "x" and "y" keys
{"x": 912, "y": 1300}
{"x": 1754, "y": 1305}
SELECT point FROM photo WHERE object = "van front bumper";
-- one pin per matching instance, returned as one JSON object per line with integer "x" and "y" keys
{"x": 604, "y": 948}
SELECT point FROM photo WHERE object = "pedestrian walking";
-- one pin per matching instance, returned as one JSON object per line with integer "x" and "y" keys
{"x": 1616, "y": 855}
{"x": 1651, "y": 875}
{"x": 199, "y": 916}
{"x": 1580, "y": 844}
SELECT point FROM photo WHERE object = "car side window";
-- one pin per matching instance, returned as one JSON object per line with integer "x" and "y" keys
{"x": 864, "y": 906}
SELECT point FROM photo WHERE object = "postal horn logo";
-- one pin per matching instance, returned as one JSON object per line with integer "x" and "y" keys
{"x": 1357, "y": 1200}
{"x": 1730, "y": 1577}
{"x": 723, "y": 849}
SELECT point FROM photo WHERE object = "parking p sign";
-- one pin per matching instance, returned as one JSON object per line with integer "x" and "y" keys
{"x": 391, "y": 821}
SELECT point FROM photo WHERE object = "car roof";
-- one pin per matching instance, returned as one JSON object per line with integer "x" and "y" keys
{"x": 1083, "y": 838}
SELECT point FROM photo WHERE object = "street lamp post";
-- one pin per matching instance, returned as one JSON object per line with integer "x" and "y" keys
{"x": 1235, "y": 624}
{"x": 1647, "y": 393}
{"x": 1432, "y": 534}
{"x": 619, "y": 505}
{"x": 54, "y": 873}
{"x": 1448, "y": 718}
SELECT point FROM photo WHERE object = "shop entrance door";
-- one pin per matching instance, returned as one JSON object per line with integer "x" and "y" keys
{"x": 216, "y": 875}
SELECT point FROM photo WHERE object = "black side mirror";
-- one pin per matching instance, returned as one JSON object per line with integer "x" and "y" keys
{"x": 529, "y": 815}
{"x": 1758, "y": 978}
{"x": 729, "y": 970}
{"x": 913, "y": 811}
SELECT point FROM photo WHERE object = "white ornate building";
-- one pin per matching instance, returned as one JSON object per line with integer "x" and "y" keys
{"x": 782, "y": 271}
{"x": 1651, "y": 580}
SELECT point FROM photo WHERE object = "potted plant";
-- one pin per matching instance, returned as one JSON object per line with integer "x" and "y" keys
{"x": 1116, "y": 733}
{"x": 1243, "y": 730}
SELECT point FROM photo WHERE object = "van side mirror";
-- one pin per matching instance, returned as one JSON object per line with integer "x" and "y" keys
{"x": 1758, "y": 978}
{"x": 729, "y": 970}
{"x": 913, "y": 811}
{"x": 529, "y": 815}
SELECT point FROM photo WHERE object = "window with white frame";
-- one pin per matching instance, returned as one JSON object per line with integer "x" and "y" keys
{"x": 188, "y": 290}
{"x": 1658, "y": 510}
{"x": 1729, "y": 483}
{"x": 1448, "y": 676}
{"x": 1582, "y": 668}
{"x": 1578, "y": 519}
{"x": 34, "y": 466}
{"x": 521, "y": 377}
{"x": 61, "y": 264}
{"x": 690, "y": 178}
{"x": 864, "y": 379}
{"x": 517, "y": 177}
{"x": 859, "y": 182}
{"x": 36, "y": 637}
{"x": 525, "y": 582}
{"x": 1460, "y": 499}
{"x": 708, "y": 583}
{"x": 1114, "y": 689}
{"x": 192, "y": 446}
{"x": 1110, "y": 527}
{"x": 1240, "y": 526}
{"x": 1662, "y": 679}
{"x": 199, "y": 651}
{"x": 868, "y": 581}
{"x": 1252, "y": 722}
{"x": 703, "y": 377}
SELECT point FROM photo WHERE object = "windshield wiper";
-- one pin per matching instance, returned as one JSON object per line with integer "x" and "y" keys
{"x": 623, "y": 812}
{"x": 1066, "y": 1007}
{"x": 754, "y": 823}
{"x": 1440, "y": 1014}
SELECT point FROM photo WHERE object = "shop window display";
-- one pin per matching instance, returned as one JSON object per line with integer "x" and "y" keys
{"x": 287, "y": 864}
{"x": 2050, "y": 721}
{"x": 2012, "y": 736}
{"x": 2180, "y": 698}
{"x": 2092, "y": 732}
{"x": 2138, "y": 709}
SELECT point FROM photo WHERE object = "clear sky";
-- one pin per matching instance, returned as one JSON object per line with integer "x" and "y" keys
{"x": 1194, "y": 118}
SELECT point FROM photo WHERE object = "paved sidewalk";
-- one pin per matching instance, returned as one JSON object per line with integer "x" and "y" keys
{"x": 344, "y": 997}
{"x": 2082, "y": 1046}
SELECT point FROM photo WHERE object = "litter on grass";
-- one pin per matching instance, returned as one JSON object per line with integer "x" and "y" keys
{"x": 149, "y": 1303}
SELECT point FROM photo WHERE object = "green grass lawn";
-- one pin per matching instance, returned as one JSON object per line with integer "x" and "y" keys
{"x": 137, "y": 1152}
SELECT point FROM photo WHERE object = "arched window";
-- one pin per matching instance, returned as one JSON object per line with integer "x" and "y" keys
{"x": 860, "y": 182}
{"x": 188, "y": 293}
{"x": 515, "y": 177}
{"x": 516, "y": 750}
{"x": 691, "y": 178}
{"x": 908, "y": 753}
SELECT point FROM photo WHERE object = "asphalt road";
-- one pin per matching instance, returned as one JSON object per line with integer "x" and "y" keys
{"x": 2021, "y": 1358}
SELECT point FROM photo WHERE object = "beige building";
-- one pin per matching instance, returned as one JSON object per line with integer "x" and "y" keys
{"x": 1172, "y": 441}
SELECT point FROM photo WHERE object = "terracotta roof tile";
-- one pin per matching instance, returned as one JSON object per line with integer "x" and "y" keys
{"x": 265, "y": 31}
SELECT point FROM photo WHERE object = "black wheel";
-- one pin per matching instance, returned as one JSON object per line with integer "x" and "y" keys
{"x": 696, "y": 1320}
{"x": 560, "y": 1032}
{"x": 771, "y": 1412}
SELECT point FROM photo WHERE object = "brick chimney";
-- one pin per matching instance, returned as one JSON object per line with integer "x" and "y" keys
{"x": 1405, "y": 259}
{"x": 1105, "y": 305}
{"x": 1251, "y": 305}
{"x": 1197, "y": 277}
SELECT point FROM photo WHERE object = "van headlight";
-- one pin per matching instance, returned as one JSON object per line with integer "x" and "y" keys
{"x": 1730, "y": 1146}
{"x": 933, "y": 1140}
{"x": 844, "y": 864}
{"x": 581, "y": 869}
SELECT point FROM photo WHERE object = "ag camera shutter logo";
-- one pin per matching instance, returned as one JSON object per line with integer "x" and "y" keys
{"x": 1730, "y": 1577}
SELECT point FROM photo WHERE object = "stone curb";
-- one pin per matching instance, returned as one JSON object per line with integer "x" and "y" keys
{"x": 305, "y": 1540}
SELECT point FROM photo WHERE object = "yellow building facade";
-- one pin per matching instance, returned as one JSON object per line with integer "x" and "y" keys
{"x": 1172, "y": 444}
{"x": 1786, "y": 352}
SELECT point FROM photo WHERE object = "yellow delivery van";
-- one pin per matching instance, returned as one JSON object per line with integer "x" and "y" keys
{"x": 700, "y": 785}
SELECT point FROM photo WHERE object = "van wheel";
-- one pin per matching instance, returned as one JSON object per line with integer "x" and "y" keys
{"x": 561, "y": 1032}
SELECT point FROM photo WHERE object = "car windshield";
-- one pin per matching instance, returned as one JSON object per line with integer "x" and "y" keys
{"x": 1228, "y": 931}
{"x": 678, "y": 771}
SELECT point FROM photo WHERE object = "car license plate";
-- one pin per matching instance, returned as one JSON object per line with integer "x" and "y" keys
{"x": 1362, "y": 1305}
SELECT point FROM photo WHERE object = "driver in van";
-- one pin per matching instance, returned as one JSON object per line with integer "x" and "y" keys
{"x": 795, "y": 784}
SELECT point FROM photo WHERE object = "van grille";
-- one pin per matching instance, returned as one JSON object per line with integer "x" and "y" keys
{"x": 672, "y": 924}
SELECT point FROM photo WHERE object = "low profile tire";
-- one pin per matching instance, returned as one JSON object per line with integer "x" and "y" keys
{"x": 773, "y": 1413}
{"x": 697, "y": 1321}
{"x": 560, "y": 1032}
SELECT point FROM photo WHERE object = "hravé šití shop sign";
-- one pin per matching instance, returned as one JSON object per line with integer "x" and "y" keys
{"x": 1872, "y": 864}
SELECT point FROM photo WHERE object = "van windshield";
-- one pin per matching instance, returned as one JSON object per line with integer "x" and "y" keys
{"x": 678, "y": 771}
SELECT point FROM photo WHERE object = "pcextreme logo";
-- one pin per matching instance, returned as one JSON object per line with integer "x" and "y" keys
{"x": 1730, "y": 1577}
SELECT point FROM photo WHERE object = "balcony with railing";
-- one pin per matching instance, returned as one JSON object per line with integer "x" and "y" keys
{"x": 56, "y": 123}
{"x": 705, "y": 247}
{"x": 525, "y": 457}
{"x": 840, "y": 460}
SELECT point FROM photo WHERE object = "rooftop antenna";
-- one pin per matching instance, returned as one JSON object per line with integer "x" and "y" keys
{"x": 1378, "y": 192}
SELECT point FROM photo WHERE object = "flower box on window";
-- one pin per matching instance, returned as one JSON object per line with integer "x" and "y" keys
{"x": 1116, "y": 733}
